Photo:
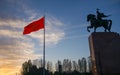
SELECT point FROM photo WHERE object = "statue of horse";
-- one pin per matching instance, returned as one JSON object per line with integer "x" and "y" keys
{"x": 98, "y": 23}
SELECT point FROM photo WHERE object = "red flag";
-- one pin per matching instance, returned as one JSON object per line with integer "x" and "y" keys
{"x": 34, "y": 26}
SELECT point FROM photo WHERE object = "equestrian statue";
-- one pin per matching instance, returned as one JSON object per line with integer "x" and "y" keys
{"x": 98, "y": 21}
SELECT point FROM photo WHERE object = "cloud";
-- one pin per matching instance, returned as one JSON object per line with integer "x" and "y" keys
{"x": 32, "y": 14}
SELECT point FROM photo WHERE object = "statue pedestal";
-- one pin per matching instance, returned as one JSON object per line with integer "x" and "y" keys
{"x": 105, "y": 53}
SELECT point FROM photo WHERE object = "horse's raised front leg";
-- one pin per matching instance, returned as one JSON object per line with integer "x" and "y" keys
{"x": 88, "y": 28}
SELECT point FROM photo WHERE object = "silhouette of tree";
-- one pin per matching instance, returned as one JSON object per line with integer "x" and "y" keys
{"x": 69, "y": 66}
{"x": 84, "y": 65}
{"x": 56, "y": 67}
{"x": 33, "y": 70}
{"x": 79, "y": 65}
{"x": 49, "y": 66}
{"x": 62, "y": 68}
{"x": 26, "y": 66}
{"x": 66, "y": 65}
{"x": 89, "y": 64}
{"x": 75, "y": 66}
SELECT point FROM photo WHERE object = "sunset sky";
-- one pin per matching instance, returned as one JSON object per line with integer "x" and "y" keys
{"x": 66, "y": 34}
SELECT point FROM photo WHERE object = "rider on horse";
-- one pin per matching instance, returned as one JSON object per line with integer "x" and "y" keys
{"x": 100, "y": 15}
{"x": 97, "y": 21}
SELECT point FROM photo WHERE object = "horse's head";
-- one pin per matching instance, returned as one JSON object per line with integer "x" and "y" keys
{"x": 90, "y": 17}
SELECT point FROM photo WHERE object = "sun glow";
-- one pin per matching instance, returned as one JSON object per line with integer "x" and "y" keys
{"x": 9, "y": 71}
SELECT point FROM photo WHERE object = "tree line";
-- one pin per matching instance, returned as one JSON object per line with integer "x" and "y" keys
{"x": 65, "y": 67}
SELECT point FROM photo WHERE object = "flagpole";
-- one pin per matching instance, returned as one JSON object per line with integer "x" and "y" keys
{"x": 44, "y": 48}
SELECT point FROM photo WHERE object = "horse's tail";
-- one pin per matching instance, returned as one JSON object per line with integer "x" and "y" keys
{"x": 110, "y": 24}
